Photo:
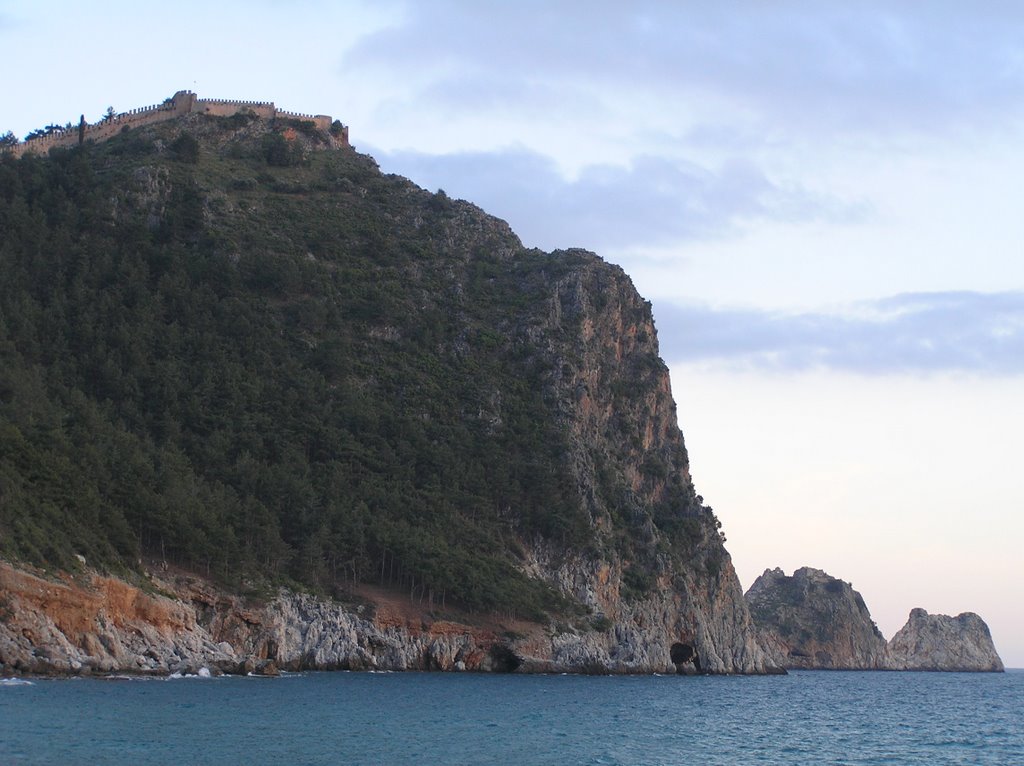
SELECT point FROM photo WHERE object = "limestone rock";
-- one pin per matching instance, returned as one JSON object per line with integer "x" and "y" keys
{"x": 940, "y": 642}
{"x": 103, "y": 625}
{"x": 813, "y": 620}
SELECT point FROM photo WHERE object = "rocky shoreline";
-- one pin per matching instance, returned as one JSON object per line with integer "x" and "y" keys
{"x": 180, "y": 624}
{"x": 94, "y": 624}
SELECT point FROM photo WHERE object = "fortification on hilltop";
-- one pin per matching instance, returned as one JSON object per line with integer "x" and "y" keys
{"x": 181, "y": 103}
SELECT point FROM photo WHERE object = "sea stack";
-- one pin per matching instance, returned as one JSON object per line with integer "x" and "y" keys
{"x": 940, "y": 642}
{"x": 813, "y": 621}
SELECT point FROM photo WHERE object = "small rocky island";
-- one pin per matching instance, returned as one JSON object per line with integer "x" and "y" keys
{"x": 814, "y": 621}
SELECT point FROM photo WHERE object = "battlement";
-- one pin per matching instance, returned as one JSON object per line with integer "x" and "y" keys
{"x": 181, "y": 103}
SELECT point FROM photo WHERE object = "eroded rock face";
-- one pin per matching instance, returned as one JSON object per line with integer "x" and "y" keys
{"x": 610, "y": 393}
{"x": 940, "y": 642}
{"x": 813, "y": 620}
{"x": 688, "y": 616}
{"x": 701, "y": 613}
{"x": 99, "y": 624}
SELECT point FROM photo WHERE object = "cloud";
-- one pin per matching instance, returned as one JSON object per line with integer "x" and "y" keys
{"x": 914, "y": 332}
{"x": 789, "y": 67}
{"x": 653, "y": 201}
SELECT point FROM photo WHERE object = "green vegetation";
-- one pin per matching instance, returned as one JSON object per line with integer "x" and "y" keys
{"x": 265, "y": 364}
{"x": 185, "y": 148}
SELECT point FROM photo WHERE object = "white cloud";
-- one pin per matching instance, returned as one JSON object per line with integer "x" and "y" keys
{"x": 791, "y": 69}
{"x": 651, "y": 201}
{"x": 920, "y": 333}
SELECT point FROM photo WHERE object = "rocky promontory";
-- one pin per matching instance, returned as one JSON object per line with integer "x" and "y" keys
{"x": 814, "y": 621}
{"x": 244, "y": 355}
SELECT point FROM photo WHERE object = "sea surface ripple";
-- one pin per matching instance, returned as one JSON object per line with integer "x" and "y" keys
{"x": 810, "y": 718}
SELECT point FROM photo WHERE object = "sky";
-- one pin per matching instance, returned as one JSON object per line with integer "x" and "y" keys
{"x": 821, "y": 200}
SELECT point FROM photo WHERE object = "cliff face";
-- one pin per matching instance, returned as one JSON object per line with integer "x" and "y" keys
{"x": 814, "y": 621}
{"x": 940, "y": 642}
{"x": 96, "y": 624}
{"x": 691, "y": 618}
{"x": 286, "y": 364}
{"x": 610, "y": 393}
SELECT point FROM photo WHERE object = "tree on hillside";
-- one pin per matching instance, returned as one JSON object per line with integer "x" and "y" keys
{"x": 8, "y": 139}
{"x": 45, "y": 131}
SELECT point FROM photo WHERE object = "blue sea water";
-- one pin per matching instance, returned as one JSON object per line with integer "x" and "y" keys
{"x": 416, "y": 718}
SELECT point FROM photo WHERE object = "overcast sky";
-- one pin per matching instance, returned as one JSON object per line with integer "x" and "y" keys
{"x": 821, "y": 200}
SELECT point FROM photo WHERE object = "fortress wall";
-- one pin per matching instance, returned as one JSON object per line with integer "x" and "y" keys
{"x": 117, "y": 124}
{"x": 43, "y": 144}
{"x": 183, "y": 102}
{"x": 322, "y": 121}
{"x": 223, "y": 108}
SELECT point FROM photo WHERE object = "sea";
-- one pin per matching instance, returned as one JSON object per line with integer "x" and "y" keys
{"x": 805, "y": 717}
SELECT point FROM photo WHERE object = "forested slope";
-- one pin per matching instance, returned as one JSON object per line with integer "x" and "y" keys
{"x": 229, "y": 345}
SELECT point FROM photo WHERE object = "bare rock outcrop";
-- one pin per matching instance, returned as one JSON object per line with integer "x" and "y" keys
{"x": 940, "y": 642}
{"x": 813, "y": 620}
{"x": 96, "y": 624}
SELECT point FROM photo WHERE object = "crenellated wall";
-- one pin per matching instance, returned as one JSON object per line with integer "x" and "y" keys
{"x": 224, "y": 108}
{"x": 181, "y": 103}
{"x": 322, "y": 121}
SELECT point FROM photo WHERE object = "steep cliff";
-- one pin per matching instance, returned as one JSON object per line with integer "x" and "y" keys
{"x": 814, "y": 621}
{"x": 232, "y": 347}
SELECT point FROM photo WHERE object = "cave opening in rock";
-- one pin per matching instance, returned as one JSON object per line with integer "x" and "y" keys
{"x": 685, "y": 658}
{"x": 503, "y": 659}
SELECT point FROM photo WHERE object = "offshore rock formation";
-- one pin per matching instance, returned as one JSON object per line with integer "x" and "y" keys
{"x": 814, "y": 621}
{"x": 940, "y": 642}
{"x": 99, "y": 624}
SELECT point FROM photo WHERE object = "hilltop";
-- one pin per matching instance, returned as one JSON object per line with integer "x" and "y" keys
{"x": 182, "y": 103}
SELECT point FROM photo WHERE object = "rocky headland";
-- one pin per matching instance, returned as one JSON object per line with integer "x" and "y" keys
{"x": 264, "y": 407}
{"x": 811, "y": 620}
{"x": 245, "y": 352}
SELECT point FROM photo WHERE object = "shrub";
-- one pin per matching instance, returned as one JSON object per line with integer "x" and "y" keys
{"x": 185, "y": 149}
